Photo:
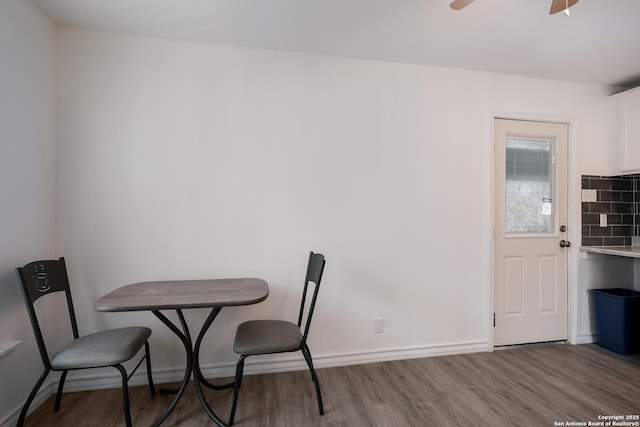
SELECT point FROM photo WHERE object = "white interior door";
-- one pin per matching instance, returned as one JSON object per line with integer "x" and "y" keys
{"x": 530, "y": 246}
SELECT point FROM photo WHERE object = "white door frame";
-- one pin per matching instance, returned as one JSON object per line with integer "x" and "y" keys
{"x": 573, "y": 217}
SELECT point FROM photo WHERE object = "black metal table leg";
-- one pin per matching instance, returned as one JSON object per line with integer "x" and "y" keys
{"x": 198, "y": 379}
{"x": 186, "y": 341}
{"x": 196, "y": 362}
{"x": 193, "y": 366}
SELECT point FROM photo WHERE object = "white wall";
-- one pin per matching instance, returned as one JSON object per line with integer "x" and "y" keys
{"x": 188, "y": 160}
{"x": 27, "y": 182}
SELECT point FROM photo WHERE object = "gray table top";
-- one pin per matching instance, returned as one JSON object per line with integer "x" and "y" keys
{"x": 179, "y": 294}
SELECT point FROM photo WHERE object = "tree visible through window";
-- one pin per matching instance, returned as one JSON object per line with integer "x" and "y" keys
{"x": 529, "y": 186}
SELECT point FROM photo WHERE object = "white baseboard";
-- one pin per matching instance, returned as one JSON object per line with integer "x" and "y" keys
{"x": 43, "y": 394}
{"x": 86, "y": 380}
{"x": 587, "y": 337}
{"x": 280, "y": 363}
{"x": 295, "y": 361}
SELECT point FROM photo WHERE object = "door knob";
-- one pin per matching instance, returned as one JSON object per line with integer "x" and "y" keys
{"x": 565, "y": 243}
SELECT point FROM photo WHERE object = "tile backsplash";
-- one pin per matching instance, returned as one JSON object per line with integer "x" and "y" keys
{"x": 619, "y": 198}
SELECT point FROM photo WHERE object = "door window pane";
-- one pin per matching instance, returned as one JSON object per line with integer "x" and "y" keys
{"x": 529, "y": 186}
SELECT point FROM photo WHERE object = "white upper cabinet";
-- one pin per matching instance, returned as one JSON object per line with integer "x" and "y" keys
{"x": 624, "y": 111}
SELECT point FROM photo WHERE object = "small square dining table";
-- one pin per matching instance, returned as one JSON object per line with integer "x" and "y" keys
{"x": 186, "y": 294}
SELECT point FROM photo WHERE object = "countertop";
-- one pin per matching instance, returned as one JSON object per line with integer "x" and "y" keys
{"x": 626, "y": 251}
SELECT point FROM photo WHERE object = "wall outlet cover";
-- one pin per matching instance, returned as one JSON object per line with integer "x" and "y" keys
{"x": 378, "y": 325}
{"x": 603, "y": 220}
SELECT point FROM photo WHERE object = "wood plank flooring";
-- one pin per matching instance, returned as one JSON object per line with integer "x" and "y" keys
{"x": 526, "y": 386}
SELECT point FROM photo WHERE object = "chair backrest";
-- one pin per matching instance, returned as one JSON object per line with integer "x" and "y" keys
{"x": 315, "y": 267}
{"x": 40, "y": 278}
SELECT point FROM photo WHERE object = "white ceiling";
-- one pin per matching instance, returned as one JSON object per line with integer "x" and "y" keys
{"x": 599, "y": 43}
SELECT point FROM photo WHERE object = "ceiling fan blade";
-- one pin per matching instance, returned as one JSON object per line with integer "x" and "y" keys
{"x": 560, "y": 5}
{"x": 459, "y": 4}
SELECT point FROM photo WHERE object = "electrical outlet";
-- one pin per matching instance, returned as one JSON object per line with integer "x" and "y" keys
{"x": 378, "y": 325}
{"x": 603, "y": 220}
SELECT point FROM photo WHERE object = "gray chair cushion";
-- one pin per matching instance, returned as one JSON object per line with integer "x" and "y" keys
{"x": 103, "y": 348}
{"x": 267, "y": 336}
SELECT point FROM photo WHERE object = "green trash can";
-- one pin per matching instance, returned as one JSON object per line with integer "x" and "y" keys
{"x": 617, "y": 313}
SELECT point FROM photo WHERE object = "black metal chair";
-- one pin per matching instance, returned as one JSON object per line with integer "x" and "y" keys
{"x": 101, "y": 349}
{"x": 277, "y": 336}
